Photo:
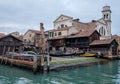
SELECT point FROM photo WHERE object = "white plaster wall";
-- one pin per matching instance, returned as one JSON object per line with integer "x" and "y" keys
{"x": 65, "y": 22}
{"x": 107, "y": 35}
{"x": 27, "y": 36}
{"x": 64, "y": 33}
{"x": 62, "y": 18}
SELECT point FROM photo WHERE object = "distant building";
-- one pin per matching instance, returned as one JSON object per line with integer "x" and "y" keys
{"x": 117, "y": 38}
{"x": 9, "y": 43}
{"x": 66, "y": 25}
{"x": 71, "y": 33}
{"x": 33, "y": 38}
{"x": 16, "y": 34}
{"x": 30, "y": 37}
{"x": 108, "y": 47}
{"x": 2, "y": 34}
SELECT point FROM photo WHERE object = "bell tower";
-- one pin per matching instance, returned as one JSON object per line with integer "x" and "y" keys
{"x": 106, "y": 14}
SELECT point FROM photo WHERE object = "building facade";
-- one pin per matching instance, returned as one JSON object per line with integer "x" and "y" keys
{"x": 117, "y": 38}
{"x": 65, "y": 26}
{"x": 15, "y": 34}
{"x": 71, "y": 33}
{"x": 9, "y": 43}
{"x": 30, "y": 37}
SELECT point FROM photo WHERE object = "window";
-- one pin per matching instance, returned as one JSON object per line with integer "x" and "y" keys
{"x": 62, "y": 25}
{"x": 65, "y": 25}
{"x": 72, "y": 23}
{"x": 102, "y": 31}
{"x": 30, "y": 35}
{"x": 55, "y": 34}
{"x": 25, "y": 40}
{"x": 104, "y": 16}
{"x": 107, "y": 16}
{"x": 59, "y": 33}
{"x": 51, "y": 34}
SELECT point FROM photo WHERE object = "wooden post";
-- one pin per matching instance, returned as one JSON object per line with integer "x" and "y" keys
{"x": 48, "y": 63}
{"x": 3, "y": 54}
{"x": 11, "y": 60}
{"x": 4, "y": 50}
{"x": 35, "y": 64}
{"x": 42, "y": 64}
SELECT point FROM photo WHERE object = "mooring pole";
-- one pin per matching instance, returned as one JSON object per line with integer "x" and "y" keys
{"x": 48, "y": 58}
{"x": 35, "y": 64}
{"x": 48, "y": 63}
{"x": 42, "y": 64}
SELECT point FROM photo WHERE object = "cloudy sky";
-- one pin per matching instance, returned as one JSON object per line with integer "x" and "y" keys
{"x": 21, "y": 15}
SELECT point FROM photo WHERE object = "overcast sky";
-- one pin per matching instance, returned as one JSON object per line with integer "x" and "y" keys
{"x": 21, "y": 15}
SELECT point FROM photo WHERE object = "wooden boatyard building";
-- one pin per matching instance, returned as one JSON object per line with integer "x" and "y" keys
{"x": 9, "y": 43}
{"x": 86, "y": 40}
{"x": 70, "y": 33}
{"x": 79, "y": 40}
{"x": 107, "y": 47}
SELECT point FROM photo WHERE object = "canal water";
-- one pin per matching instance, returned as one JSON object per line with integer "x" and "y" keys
{"x": 108, "y": 73}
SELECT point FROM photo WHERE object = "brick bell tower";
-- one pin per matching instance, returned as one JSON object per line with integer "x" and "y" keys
{"x": 42, "y": 38}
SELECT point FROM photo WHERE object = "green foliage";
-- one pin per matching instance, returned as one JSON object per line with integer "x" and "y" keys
{"x": 72, "y": 61}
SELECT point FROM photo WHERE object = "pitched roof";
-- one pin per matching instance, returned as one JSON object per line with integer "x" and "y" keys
{"x": 85, "y": 26}
{"x": 101, "y": 42}
{"x": 83, "y": 34}
{"x": 54, "y": 38}
{"x": 2, "y": 34}
{"x": 11, "y": 36}
{"x": 35, "y": 31}
{"x": 64, "y": 16}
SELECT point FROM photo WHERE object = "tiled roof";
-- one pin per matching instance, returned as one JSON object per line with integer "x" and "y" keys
{"x": 101, "y": 42}
{"x": 35, "y": 31}
{"x": 11, "y": 36}
{"x": 1, "y": 35}
{"x": 83, "y": 34}
{"x": 61, "y": 29}
{"x": 85, "y": 26}
{"x": 61, "y": 16}
{"x": 54, "y": 38}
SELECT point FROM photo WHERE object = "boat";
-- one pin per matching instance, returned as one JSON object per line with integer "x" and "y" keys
{"x": 88, "y": 55}
{"x": 79, "y": 53}
{"x": 62, "y": 54}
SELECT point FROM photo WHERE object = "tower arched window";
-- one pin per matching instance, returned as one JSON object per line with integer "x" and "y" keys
{"x": 107, "y": 16}
{"x": 104, "y": 16}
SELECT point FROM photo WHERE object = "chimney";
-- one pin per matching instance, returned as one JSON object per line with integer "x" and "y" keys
{"x": 93, "y": 20}
{"x": 41, "y": 27}
{"x": 77, "y": 20}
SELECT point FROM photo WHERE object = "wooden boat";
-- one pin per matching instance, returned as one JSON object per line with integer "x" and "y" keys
{"x": 62, "y": 54}
{"x": 88, "y": 55}
{"x": 79, "y": 53}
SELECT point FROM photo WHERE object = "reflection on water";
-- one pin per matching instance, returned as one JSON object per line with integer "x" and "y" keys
{"x": 97, "y": 74}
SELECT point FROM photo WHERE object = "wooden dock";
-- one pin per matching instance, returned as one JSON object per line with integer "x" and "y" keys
{"x": 33, "y": 63}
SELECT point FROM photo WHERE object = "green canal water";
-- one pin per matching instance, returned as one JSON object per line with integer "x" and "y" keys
{"x": 108, "y": 73}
